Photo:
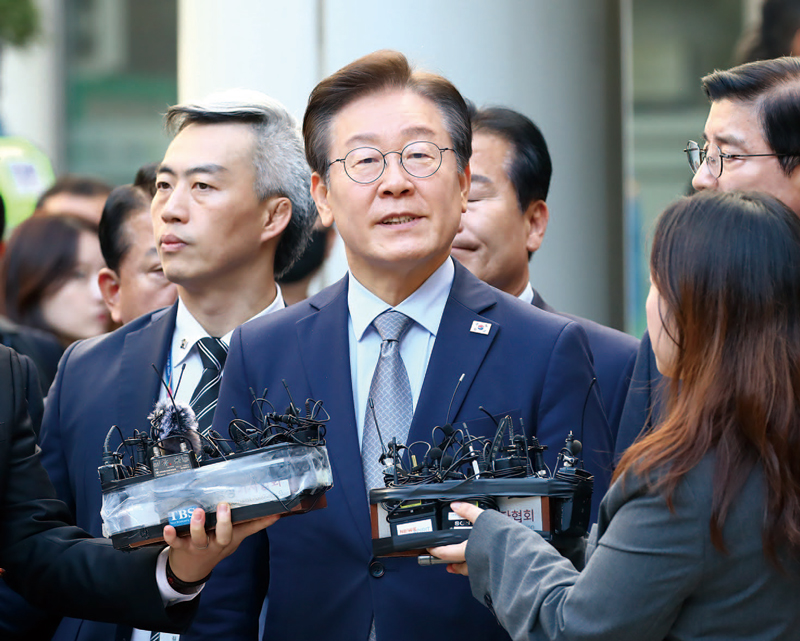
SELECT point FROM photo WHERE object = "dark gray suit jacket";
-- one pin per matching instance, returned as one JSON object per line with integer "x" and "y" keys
{"x": 653, "y": 574}
{"x": 54, "y": 565}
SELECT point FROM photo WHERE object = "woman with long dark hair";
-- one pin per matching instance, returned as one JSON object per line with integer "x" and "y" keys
{"x": 49, "y": 278}
{"x": 699, "y": 535}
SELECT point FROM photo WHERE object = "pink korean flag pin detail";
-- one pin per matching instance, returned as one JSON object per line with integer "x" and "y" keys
{"x": 479, "y": 327}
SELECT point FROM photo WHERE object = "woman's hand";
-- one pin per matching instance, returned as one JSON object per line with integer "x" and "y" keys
{"x": 456, "y": 554}
{"x": 191, "y": 558}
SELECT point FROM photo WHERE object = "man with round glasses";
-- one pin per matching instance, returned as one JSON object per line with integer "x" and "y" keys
{"x": 751, "y": 141}
{"x": 407, "y": 340}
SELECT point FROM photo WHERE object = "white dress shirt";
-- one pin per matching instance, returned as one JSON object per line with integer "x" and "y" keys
{"x": 425, "y": 307}
{"x": 527, "y": 294}
{"x": 184, "y": 350}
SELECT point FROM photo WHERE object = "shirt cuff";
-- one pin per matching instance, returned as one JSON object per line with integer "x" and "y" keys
{"x": 168, "y": 595}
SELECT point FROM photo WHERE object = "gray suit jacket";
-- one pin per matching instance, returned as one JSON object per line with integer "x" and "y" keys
{"x": 653, "y": 574}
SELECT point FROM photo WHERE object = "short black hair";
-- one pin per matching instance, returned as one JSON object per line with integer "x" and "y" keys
{"x": 773, "y": 87}
{"x": 76, "y": 185}
{"x": 531, "y": 168}
{"x": 146, "y": 178}
{"x": 121, "y": 204}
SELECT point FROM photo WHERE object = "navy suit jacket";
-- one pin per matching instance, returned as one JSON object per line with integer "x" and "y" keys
{"x": 324, "y": 581}
{"x": 614, "y": 356}
{"x": 104, "y": 381}
{"x": 644, "y": 403}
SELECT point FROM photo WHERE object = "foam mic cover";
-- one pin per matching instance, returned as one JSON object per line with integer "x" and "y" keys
{"x": 171, "y": 420}
{"x": 434, "y": 455}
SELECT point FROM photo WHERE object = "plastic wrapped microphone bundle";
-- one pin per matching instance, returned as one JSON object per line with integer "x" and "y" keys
{"x": 274, "y": 480}
{"x": 276, "y": 463}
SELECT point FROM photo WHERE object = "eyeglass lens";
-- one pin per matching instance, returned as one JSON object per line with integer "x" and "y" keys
{"x": 366, "y": 164}
{"x": 711, "y": 156}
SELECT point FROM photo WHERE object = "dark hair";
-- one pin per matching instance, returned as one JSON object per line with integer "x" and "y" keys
{"x": 146, "y": 178}
{"x": 773, "y": 36}
{"x": 530, "y": 169}
{"x": 727, "y": 266}
{"x": 76, "y": 185}
{"x": 773, "y": 87}
{"x": 40, "y": 256}
{"x": 278, "y": 157}
{"x": 115, "y": 242}
{"x": 370, "y": 74}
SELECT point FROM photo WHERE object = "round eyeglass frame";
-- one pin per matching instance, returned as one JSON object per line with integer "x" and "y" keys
{"x": 697, "y": 155}
{"x": 399, "y": 153}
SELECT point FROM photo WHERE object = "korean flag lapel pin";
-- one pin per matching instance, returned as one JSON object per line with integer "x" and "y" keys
{"x": 480, "y": 327}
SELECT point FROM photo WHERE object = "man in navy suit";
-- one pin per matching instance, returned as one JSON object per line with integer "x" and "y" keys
{"x": 389, "y": 148}
{"x": 232, "y": 210}
{"x": 751, "y": 141}
{"x": 505, "y": 223}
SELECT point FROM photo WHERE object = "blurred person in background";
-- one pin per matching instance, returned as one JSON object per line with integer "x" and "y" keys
{"x": 146, "y": 178}
{"x": 41, "y": 347}
{"x": 776, "y": 34}
{"x": 49, "y": 278}
{"x": 295, "y": 282}
{"x": 81, "y": 196}
{"x": 132, "y": 282}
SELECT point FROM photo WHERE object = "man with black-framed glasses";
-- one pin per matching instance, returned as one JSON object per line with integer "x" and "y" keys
{"x": 407, "y": 340}
{"x": 751, "y": 141}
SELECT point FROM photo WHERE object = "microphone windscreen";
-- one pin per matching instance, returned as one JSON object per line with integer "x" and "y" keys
{"x": 170, "y": 420}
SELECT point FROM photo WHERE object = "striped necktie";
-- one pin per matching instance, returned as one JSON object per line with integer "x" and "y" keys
{"x": 213, "y": 353}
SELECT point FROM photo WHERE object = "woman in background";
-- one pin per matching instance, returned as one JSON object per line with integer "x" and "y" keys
{"x": 49, "y": 278}
{"x": 699, "y": 535}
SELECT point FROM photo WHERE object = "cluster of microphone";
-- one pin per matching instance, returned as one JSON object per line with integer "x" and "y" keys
{"x": 174, "y": 444}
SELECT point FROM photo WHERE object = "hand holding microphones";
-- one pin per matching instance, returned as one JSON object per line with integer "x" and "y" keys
{"x": 193, "y": 557}
{"x": 455, "y": 555}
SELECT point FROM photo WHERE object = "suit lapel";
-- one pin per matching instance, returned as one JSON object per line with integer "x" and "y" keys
{"x": 458, "y": 349}
{"x": 325, "y": 350}
{"x": 139, "y": 382}
{"x": 539, "y": 302}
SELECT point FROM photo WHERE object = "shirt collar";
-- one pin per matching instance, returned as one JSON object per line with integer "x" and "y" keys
{"x": 425, "y": 306}
{"x": 188, "y": 330}
{"x": 527, "y": 294}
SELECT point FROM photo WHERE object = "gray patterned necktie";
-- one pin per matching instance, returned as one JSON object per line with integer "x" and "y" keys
{"x": 213, "y": 353}
{"x": 390, "y": 392}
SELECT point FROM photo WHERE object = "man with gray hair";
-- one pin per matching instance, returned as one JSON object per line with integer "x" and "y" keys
{"x": 232, "y": 211}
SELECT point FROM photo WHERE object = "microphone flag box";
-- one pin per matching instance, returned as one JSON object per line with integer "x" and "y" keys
{"x": 285, "y": 478}
{"x": 410, "y": 518}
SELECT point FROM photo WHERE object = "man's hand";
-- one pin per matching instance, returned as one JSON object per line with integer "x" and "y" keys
{"x": 191, "y": 558}
{"x": 456, "y": 554}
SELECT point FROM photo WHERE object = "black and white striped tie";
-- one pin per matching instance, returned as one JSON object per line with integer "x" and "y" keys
{"x": 213, "y": 353}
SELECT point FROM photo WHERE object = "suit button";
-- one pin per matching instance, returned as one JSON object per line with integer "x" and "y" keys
{"x": 376, "y": 569}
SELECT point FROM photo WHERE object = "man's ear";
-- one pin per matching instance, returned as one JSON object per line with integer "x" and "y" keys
{"x": 537, "y": 215}
{"x": 464, "y": 181}
{"x": 277, "y": 214}
{"x": 108, "y": 281}
{"x": 319, "y": 192}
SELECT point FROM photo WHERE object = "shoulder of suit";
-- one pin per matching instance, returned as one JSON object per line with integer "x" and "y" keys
{"x": 112, "y": 342}
{"x": 602, "y": 332}
{"x": 288, "y": 316}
